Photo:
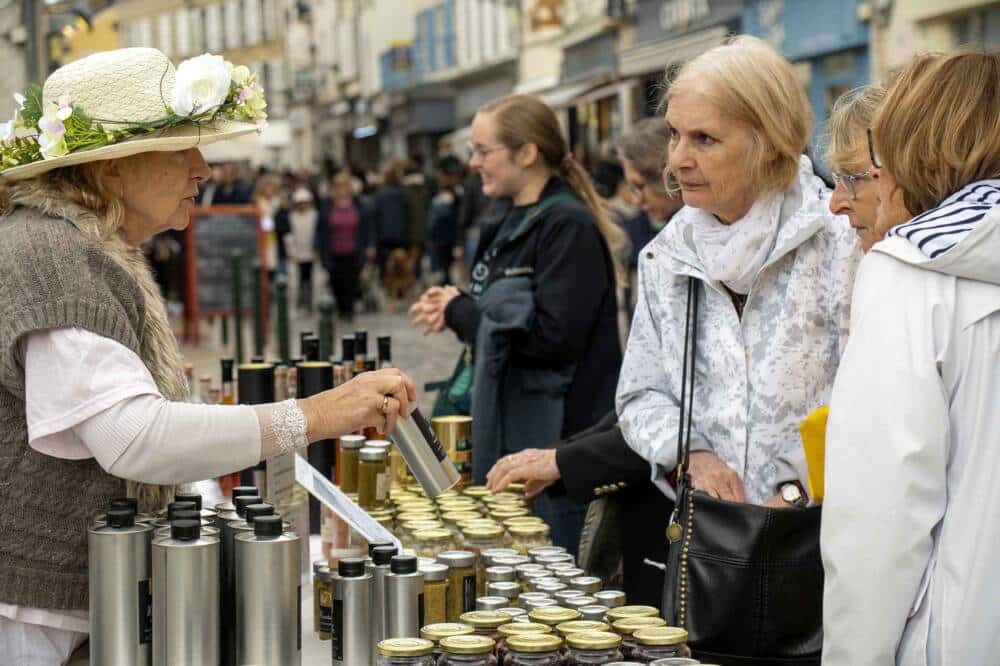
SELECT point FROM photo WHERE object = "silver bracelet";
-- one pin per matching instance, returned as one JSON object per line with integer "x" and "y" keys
{"x": 288, "y": 426}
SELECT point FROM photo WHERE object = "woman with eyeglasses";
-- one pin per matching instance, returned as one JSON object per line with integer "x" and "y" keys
{"x": 856, "y": 191}
{"x": 540, "y": 314}
{"x": 911, "y": 517}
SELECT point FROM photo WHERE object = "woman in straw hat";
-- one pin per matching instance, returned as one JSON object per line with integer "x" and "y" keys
{"x": 92, "y": 386}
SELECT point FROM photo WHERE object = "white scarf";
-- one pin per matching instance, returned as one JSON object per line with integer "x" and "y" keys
{"x": 734, "y": 253}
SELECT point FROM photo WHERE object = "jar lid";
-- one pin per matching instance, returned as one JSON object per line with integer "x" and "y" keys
{"x": 434, "y": 534}
{"x": 611, "y": 598}
{"x": 522, "y": 520}
{"x": 497, "y": 573}
{"x": 455, "y": 516}
{"x": 546, "y": 550}
{"x": 554, "y": 615}
{"x": 569, "y": 573}
{"x": 476, "y": 491}
{"x": 483, "y": 531}
{"x": 418, "y": 525}
{"x": 433, "y": 571}
{"x": 516, "y": 488}
{"x": 623, "y": 612}
{"x": 511, "y": 560}
{"x": 457, "y": 558}
{"x": 549, "y": 588}
{"x": 529, "y": 566}
{"x": 405, "y": 647}
{"x": 533, "y": 643}
{"x": 436, "y": 632}
{"x": 489, "y": 619}
{"x": 581, "y": 625}
{"x": 528, "y": 530}
{"x": 407, "y": 516}
{"x": 502, "y": 497}
{"x": 504, "y": 588}
{"x": 456, "y": 507}
{"x": 516, "y": 613}
{"x": 593, "y": 640}
{"x": 504, "y": 511}
{"x": 533, "y": 604}
{"x": 594, "y": 612}
{"x": 352, "y": 442}
{"x": 384, "y": 443}
{"x": 563, "y": 595}
{"x": 630, "y": 625}
{"x": 473, "y": 523}
{"x": 580, "y": 602}
{"x": 661, "y": 636}
{"x": 373, "y": 454}
{"x": 492, "y": 603}
{"x": 519, "y": 628}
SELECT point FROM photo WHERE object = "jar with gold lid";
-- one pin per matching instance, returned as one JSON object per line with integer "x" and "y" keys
{"x": 518, "y": 629}
{"x": 406, "y": 652}
{"x": 347, "y": 464}
{"x": 501, "y": 512}
{"x": 432, "y": 542}
{"x": 435, "y": 591}
{"x": 573, "y": 626}
{"x": 408, "y": 515}
{"x": 628, "y": 626}
{"x": 461, "y": 582}
{"x": 476, "y": 492}
{"x": 533, "y": 650}
{"x": 452, "y": 518}
{"x": 440, "y": 630}
{"x": 479, "y": 538}
{"x": 595, "y": 612}
{"x": 471, "y": 650}
{"x": 526, "y": 537}
{"x": 486, "y": 623}
{"x": 623, "y": 612}
{"x": 586, "y": 648}
{"x": 553, "y": 615}
{"x": 516, "y": 613}
{"x": 654, "y": 643}
{"x": 373, "y": 478}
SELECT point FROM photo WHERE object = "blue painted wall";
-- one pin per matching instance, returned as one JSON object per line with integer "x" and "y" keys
{"x": 824, "y": 33}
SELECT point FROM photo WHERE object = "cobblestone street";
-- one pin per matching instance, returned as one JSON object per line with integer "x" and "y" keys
{"x": 424, "y": 358}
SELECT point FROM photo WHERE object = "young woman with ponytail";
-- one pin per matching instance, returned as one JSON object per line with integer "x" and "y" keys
{"x": 549, "y": 226}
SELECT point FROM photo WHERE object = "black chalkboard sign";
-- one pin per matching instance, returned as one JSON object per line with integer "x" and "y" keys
{"x": 211, "y": 237}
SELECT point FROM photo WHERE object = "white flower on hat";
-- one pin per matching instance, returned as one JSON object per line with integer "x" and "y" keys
{"x": 52, "y": 140}
{"x": 202, "y": 85}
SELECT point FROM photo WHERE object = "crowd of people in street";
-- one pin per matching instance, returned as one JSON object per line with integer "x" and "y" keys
{"x": 669, "y": 460}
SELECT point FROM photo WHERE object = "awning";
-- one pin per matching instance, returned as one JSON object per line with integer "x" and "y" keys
{"x": 567, "y": 94}
{"x": 657, "y": 56}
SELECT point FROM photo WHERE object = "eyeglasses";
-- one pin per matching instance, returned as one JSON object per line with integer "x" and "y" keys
{"x": 641, "y": 188}
{"x": 481, "y": 152}
{"x": 876, "y": 160}
{"x": 850, "y": 180}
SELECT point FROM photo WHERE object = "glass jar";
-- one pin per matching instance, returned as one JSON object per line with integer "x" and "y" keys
{"x": 592, "y": 647}
{"x": 435, "y": 592}
{"x": 499, "y": 574}
{"x": 595, "y": 613}
{"x": 411, "y": 527}
{"x": 492, "y": 603}
{"x": 461, "y": 582}
{"x": 441, "y": 630}
{"x": 610, "y": 598}
{"x": 674, "y": 661}
{"x": 322, "y": 600}
{"x": 512, "y": 561}
{"x": 453, "y": 518}
{"x": 517, "y": 614}
{"x": 628, "y": 626}
{"x": 544, "y": 585}
{"x": 526, "y": 537}
{"x": 562, "y": 595}
{"x": 490, "y": 555}
{"x": 476, "y": 492}
{"x": 347, "y": 465}
{"x": 512, "y": 629}
{"x": 373, "y": 478}
{"x": 409, "y": 515}
{"x": 553, "y": 615}
{"x": 486, "y": 623}
{"x": 586, "y": 584}
{"x": 502, "y": 588}
{"x": 406, "y": 652}
{"x": 654, "y": 643}
{"x": 477, "y": 539}
{"x": 580, "y": 602}
{"x": 575, "y": 626}
{"x": 530, "y": 577}
{"x": 566, "y": 575}
{"x": 471, "y": 650}
{"x": 533, "y": 650}
{"x": 501, "y": 512}
{"x": 545, "y": 550}
{"x": 432, "y": 542}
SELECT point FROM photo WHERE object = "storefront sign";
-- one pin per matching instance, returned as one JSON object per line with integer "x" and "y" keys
{"x": 662, "y": 19}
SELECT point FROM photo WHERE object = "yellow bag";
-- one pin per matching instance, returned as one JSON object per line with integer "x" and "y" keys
{"x": 813, "y": 431}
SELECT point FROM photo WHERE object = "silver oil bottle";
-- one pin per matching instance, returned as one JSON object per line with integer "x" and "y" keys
{"x": 404, "y": 587}
{"x": 227, "y": 591}
{"x": 121, "y": 620}
{"x": 352, "y": 602}
{"x": 378, "y": 567}
{"x": 268, "y": 595}
{"x": 185, "y": 597}
{"x": 424, "y": 454}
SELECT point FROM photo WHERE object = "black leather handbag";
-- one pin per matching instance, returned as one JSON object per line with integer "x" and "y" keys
{"x": 745, "y": 581}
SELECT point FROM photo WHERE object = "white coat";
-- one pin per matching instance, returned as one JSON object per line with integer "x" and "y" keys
{"x": 911, "y": 519}
{"x": 757, "y": 377}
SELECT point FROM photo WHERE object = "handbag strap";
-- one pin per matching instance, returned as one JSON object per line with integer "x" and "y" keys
{"x": 687, "y": 382}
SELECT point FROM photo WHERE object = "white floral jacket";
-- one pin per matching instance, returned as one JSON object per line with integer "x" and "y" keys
{"x": 757, "y": 377}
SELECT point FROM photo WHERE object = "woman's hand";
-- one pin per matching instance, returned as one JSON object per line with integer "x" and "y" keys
{"x": 358, "y": 404}
{"x": 536, "y": 468}
{"x": 429, "y": 310}
{"x": 711, "y": 475}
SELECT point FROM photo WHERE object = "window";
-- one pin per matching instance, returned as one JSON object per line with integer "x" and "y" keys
{"x": 143, "y": 32}
{"x": 164, "y": 27}
{"x": 196, "y": 22}
{"x": 979, "y": 29}
{"x": 270, "y": 20}
{"x": 234, "y": 25}
{"x": 213, "y": 28}
{"x": 252, "y": 21}
{"x": 182, "y": 32}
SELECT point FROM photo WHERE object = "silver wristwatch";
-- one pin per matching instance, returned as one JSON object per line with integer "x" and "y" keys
{"x": 792, "y": 494}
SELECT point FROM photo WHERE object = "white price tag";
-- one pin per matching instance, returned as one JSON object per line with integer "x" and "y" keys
{"x": 333, "y": 497}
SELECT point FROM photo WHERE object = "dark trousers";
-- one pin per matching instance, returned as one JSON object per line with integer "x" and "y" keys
{"x": 443, "y": 257}
{"x": 344, "y": 280}
{"x": 305, "y": 284}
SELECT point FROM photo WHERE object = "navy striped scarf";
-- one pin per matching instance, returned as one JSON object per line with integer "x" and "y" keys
{"x": 943, "y": 227}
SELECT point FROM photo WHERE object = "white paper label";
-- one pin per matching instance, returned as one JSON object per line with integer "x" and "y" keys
{"x": 320, "y": 487}
{"x": 281, "y": 480}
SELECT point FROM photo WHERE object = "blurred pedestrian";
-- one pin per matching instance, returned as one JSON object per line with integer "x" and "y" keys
{"x": 300, "y": 243}
{"x": 856, "y": 191}
{"x": 269, "y": 199}
{"x": 391, "y": 213}
{"x": 540, "y": 315}
{"x": 341, "y": 239}
{"x": 473, "y": 204}
{"x": 418, "y": 197}
{"x": 911, "y": 516}
{"x": 443, "y": 217}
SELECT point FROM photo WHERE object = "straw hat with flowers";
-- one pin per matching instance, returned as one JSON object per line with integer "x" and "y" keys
{"x": 119, "y": 103}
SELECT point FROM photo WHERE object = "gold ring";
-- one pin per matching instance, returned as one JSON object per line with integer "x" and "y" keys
{"x": 385, "y": 405}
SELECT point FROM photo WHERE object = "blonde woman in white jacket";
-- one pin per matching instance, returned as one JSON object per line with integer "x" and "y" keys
{"x": 911, "y": 518}
{"x": 775, "y": 270}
